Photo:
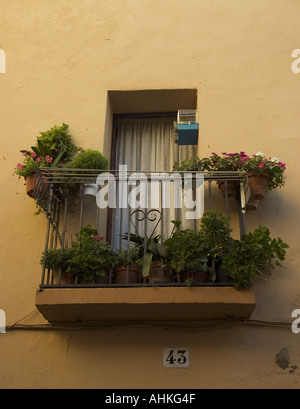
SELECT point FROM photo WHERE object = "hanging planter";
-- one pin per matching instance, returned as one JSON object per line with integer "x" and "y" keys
{"x": 90, "y": 192}
{"x": 258, "y": 185}
{"x": 252, "y": 204}
{"x": 230, "y": 187}
{"x": 30, "y": 183}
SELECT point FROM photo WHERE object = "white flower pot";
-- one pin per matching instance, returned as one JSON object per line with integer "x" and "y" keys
{"x": 90, "y": 192}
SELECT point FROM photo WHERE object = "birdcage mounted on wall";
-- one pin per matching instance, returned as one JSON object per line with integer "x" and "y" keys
{"x": 187, "y": 127}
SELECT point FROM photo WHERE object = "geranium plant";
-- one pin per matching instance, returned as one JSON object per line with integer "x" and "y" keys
{"x": 92, "y": 256}
{"x": 254, "y": 255}
{"x": 225, "y": 161}
{"x": 259, "y": 164}
{"x": 239, "y": 161}
{"x": 52, "y": 147}
{"x": 32, "y": 162}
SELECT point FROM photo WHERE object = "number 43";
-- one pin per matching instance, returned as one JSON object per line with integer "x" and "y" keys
{"x": 176, "y": 357}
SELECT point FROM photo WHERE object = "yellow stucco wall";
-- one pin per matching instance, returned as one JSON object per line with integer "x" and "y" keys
{"x": 62, "y": 57}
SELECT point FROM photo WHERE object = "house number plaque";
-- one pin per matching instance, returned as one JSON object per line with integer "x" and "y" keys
{"x": 176, "y": 358}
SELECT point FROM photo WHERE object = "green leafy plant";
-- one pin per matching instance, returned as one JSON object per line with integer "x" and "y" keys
{"x": 126, "y": 258}
{"x": 259, "y": 164}
{"x": 149, "y": 249}
{"x": 224, "y": 162}
{"x": 89, "y": 257}
{"x": 90, "y": 159}
{"x": 92, "y": 257}
{"x": 238, "y": 161}
{"x": 186, "y": 253}
{"x": 215, "y": 236}
{"x": 252, "y": 256}
{"x": 193, "y": 164}
{"x": 53, "y": 148}
{"x": 57, "y": 259}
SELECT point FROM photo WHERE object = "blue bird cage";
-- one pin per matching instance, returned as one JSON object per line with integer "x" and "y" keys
{"x": 187, "y": 127}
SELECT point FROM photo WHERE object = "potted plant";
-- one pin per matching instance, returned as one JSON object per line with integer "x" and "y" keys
{"x": 215, "y": 236}
{"x": 252, "y": 256}
{"x": 264, "y": 174}
{"x": 126, "y": 269}
{"x": 194, "y": 164}
{"x": 52, "y": 148}
{"x": 92, "y": 162}
{"x": 217, "y": 163}
{"x": 186, "y": 256}
{"x": 90, "y": 159}
{"x": 223, "y": 163}
{"x": 92, "y": 257}
{"x": 58, "y": 261}
{"x": 151, "y": 257}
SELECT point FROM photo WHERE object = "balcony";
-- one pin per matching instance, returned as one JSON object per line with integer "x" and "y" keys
{"x": 122, "y": 207}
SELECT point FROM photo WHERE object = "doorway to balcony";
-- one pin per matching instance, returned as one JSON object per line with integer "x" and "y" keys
{"x": 144, "y": 143}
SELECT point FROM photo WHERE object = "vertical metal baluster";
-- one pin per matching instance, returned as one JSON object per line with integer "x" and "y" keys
{"x": 209, "y": 195}
{"x": 145, "y": 237}
{"x": 128, "y": 243}
{"x": 227, "y": 210}
{"x": 48, "y": 215}
{"x": 161, "y": 226}
{"x": 51, "y": 246}
{"x": 64, "y": 231}
{"x": 226, "y": 199}
{"x": 81, "y": 198}
{"x": 194, "y": 187}
{"x": 242, "y": 214}
{"x": 97, "y": 216}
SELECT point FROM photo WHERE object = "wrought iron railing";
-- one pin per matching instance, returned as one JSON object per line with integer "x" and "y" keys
{"x": 118, "y": 205}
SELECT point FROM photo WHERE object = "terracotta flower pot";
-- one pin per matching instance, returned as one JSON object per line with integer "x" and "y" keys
{"x": 102, "y": 279}
{"x": 258, "y": 185}
{"x": 30, "y": 183}
{"x": 232, "y": 188}
{"x": 120, "y": 273}
{"x": 65, "y": 278}
{"x": 252, "y": 204}
{"x": 197, "y": 277}
{"x": 158, "y": 274}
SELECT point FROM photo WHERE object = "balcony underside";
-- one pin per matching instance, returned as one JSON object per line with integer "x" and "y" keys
{"x": 91, "y": 305}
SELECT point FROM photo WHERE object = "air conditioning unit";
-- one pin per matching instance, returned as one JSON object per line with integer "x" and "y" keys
{"x": 187, "y": 127}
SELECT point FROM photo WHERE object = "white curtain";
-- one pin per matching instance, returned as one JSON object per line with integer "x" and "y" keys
{"x": 148, "y": 145}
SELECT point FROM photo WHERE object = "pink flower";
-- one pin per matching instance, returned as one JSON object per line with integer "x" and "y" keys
{"x": 48, "y": 159}
{"x": 20, "y": 166}
{"x": 37, "y": 160}
{"x": 33, "y": 154}
{"x": 24, "y": 153}
{"x": 261, "y": 165}
{"x": 281, "y": 164}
